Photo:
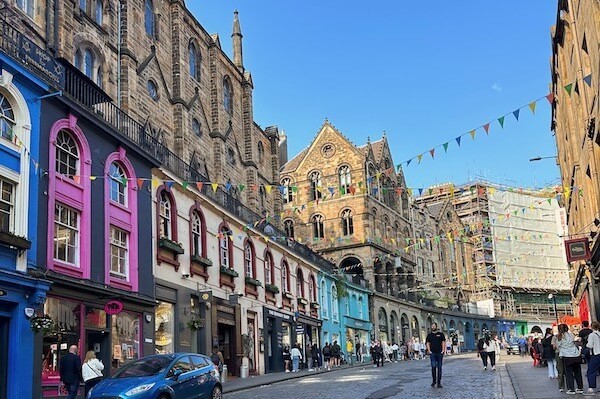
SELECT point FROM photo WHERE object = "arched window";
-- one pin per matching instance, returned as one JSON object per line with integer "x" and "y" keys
{"x": 99, "y": 11}
{"x": 345, "y": 179}
{"x": 318, "y": 228}
{"x": 194, "y": 60}
{"x": 198, "y": 234}
{"x": 312, "y": 294}
{"x": 386, "y": 226}
{"x": 269, "y": 268}
{"x": 288, "y": 225}
{"x": 165, "y": 216}
{"x": 227, "y": 96}
{"x": 88, "y": 63}
{"x": 347, "y": 223}
{"x": 152, "y": 90}
{"x": 324, "y": 302}
{"x": 100, "y": 77}
{"x": 149, "y": 19}
{"x": 231, "y": 156}
{"x": 360, "y": 307}
{"x": 285, "y": 277}
{"x": 83, "y": 5}
{"x": 67, "y": 154}
{"x": 118, "y": 184}
{"x": 286, "y": 183}
{"x": 299, "y": 283}
{"x": 261, "y": 152}
{"x": 225, "y": 248}
{"x": 7, "y": 119}
{"x": 249, "y": 260}
{"x": 335, "y": 305}
{"x": 196, "y": 127}
{"x": 315, "y": 185}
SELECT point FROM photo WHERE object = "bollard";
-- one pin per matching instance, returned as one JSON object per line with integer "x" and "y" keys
{"x": 224, "y": 374}
{"x": 243, "y": 371}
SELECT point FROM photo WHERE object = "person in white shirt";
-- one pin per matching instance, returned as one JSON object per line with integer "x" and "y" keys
{"x": 296, "y": 357}
{"x": 569, "y": 353}
{"x": 395, "y": 351}
{"x": 490, "y": 345}
{"x": 593, "y": 343}
{"x": 91, "y": 370}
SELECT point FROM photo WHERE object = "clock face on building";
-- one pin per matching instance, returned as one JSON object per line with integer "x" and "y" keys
{"x": 205, "y": 296}
{"x": 328, "y": 150}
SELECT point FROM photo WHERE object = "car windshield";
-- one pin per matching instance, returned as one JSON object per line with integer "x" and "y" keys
{"x": 145, "y": 367}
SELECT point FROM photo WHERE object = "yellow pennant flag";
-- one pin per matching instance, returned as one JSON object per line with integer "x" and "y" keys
{"x": 532, "y": 107}
{"x": 155, "y": 183}
{"x": 92, "y": 178}
{"x": 492, "y": 190}
{"x": 472, "y": 133}
{"x": 214, "y": 186}
{"x": 419, "y": 157}
{"x": 268, "y": 187}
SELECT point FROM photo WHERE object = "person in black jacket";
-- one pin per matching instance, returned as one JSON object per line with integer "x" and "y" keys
{"x": 549, "y": 354}
{"x": 70, "y": 371}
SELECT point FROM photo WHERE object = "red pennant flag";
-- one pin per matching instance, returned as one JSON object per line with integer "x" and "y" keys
{"x": 77, "y": 179}
{"x": 486, "y": 127}
{"x": 140, "y": 183}
{"x": 199, "y": 185}
{"x": 550, "y": 98}
{"x": 432, "y": 152}
{"x": 352, "y": 189}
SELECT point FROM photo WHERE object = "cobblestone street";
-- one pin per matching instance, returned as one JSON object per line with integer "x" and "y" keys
{"x": 463, "y": 377}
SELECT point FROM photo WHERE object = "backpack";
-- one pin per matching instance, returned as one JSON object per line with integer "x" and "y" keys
{"x": 480, "y": 344}
{"x": 326, "y": 351}
{"x": 215, "y": 359}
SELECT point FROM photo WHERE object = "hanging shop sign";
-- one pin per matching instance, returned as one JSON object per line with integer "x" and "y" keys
{"x": 577, "y": 249}
{"x": 113, "y": 307}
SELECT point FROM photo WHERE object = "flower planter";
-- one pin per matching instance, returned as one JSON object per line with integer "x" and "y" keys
{"x": 11, "y": 240}
{"x": 288, "y": 295}
{"x": 43, "y": 324}
{"x": 229, "y": 272}
{"x": 170, "y": 246}
{"x": 315, "y": 305}
{"x": 252, "y": 281}
{"x": 195, "y": 324}
{"x": 272, "y": 288}
{"x": 201, "y": 260}
{"x": 302, "y": 301}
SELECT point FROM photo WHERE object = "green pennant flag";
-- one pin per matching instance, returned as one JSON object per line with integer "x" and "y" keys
{"x": 446, "y": 147}
{"x": 550, "y": 201}
{"x": 501, "y": 121}
{"x": 185, "y": 184}
{"x": 241, "y": 187}
{"x": 569, "y": 88}
{"x": 124, "y": 181}
{"x": 294, "y": 189}
{"x": 430, "y": 191}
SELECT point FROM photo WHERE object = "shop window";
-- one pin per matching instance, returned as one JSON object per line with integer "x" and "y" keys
{"x": 164, "y": 328}
{"x": 7, "y": 206}
{"x": 125, "y": 338}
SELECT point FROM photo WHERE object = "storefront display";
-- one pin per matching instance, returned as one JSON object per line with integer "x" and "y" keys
{"x": 164, "y": 328}
{"x": 125, "y": 339}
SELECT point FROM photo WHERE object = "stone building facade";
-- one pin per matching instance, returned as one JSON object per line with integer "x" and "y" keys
{"x": 575, "y": 71}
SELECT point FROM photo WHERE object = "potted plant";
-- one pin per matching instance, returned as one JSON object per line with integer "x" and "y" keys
{"x": 195, "y": 324}
{"x": 201, "y": 260}
{"x": 41, "y": 323}
{"x": 272, "y": 288}
{"x": 228, "y": 271}
{"x": 252, "y": 281}
{"x": 13, "y": 240}
{"x": 303, "y": 301}
{"x": 170, "y": 245}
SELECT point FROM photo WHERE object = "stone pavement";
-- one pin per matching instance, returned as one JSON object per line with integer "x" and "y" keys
{"x": 532, "y": 382}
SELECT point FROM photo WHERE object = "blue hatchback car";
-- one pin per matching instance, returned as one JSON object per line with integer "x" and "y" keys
{"x": 171, "y": 376}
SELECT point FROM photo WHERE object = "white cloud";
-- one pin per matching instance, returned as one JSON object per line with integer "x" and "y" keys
{"x": 497, "y": 87}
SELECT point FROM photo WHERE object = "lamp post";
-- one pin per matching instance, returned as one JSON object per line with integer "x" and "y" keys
{"x": 550, "y": 296}
{"x": 540, "y": 158}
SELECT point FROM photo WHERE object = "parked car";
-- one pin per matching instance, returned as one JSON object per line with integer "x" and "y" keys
{"x": 512, "y": 348}
{"x": 171, "y": 376}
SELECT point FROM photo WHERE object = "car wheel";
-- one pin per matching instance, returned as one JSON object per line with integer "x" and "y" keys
{"x": 216, "y": 393}
{"x": 163, "y": 397}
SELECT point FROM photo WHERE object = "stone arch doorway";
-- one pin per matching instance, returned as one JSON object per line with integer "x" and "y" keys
{"x": 405, "y": 327}
{"x": 414, "y": 327}
{"x": 353, "y": 267}
{"x": 394, "y": 326}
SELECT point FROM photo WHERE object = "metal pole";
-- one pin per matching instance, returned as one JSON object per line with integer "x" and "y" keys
{"x": 555, "y": 311}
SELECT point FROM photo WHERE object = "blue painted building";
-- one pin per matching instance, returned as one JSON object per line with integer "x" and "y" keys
{"x": 21, "y": 294}
{"x": 344, "y": 312}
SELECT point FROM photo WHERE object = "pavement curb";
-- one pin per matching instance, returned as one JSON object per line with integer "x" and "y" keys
{"x": 516, "y": 387}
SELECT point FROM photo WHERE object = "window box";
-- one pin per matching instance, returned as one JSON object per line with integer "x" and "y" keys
{"x": 201, "y": 260}
{"x": 302, "y": 301}
{"x": 288, "y": 295}
{"x": 315, "y": 305}
{"x": 229, "y": 272}
{"x": 170, "y": 246}
{"x": 272, "y": 288}
{"x": 12, "y": 240}
{"x": 253, "y": 281}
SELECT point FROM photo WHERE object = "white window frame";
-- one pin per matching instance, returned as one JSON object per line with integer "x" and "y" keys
{"x": 248, "y": 260}
{"x": 224, "y": 248}
{"x": 8, "y": 203}
{"x": 27, "y": 6}
{"x": 118, "y": 190}
{"x": 196, "y": 234}
{"x": 71, "y": 227}
{"x": 268, "y": 268}
{"x": 335, "y": 306}
{"x": 284, "y": 277}
{"x": 164, "y": 218}
{"x": 122, "y": 246}
{"x": 324, "y": 302}
{"x": 70, "y": 154}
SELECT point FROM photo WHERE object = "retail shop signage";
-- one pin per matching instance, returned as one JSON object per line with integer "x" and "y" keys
{"x": 577, "y": 249}
{"x": 113, "y": 307}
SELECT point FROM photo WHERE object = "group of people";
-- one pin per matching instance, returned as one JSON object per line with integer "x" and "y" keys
{"x": 73, "y": 372}
{"x": 488, "y": 349}
{"x": 316, "y": 358}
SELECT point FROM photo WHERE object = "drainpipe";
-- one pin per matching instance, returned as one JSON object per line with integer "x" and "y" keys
{"x": 55, "y": 45}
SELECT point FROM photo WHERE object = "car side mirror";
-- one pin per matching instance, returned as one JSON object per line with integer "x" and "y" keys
{"x": 175, "y": 374}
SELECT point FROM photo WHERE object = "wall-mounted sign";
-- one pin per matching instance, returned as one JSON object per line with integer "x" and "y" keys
{"x": 577, "y": 249}
{"x": 113, "y": 307}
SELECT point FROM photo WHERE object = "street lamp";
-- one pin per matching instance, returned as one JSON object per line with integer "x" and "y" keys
{"x": 550, "y": 296}
{"x": 540, "y": 158}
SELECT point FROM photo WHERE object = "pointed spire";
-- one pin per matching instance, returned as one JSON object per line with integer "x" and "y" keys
{"x": 238, "y": 59}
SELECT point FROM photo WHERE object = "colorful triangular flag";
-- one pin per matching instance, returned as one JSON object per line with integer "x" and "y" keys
{"x": 550, "y": 98}
{"x": 446, "y": 147}
{"x": 532, "y": 107}
{"x": 588, "y": 80}
{"x": 486, "y": 127}
{"x": 569, "y": 88}
{"x": 458, "y": 140}
{"x": 214, "y": 186}
{"x": 516, "y": 113}
{"x": 472, "y": 133}
{"x": 432, "y": 152}
{"x": 501, "y": 122}
{"x": 419, "y": 157}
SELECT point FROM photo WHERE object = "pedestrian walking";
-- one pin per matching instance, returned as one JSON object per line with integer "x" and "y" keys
{"x": 309, "y": 358}
{"x": 549, "y": 354}
{"x": 315, "y": 353}
{"x": 91, "y": 371}
{"x": 409, "y": 349}
{"x": 569, "y": 352}
{"x": 436, "y": 342}
{"x": 287, "y": 359}
{"x": 358, "y": 352}
{"x": 296, "y": 358}
{"x": 327, "y": 356}
{"x": 70, "y": 372}
{"x": 491, "y": 347}
{"x": 482, "y": 352}
{"x": 395, "y": 349}
{"x": 455, "y": 348}
{"x": 560, "y": 365}
{"x": 349, "y": 350}
{"x": 593, "y": 345}
{"x": 403, "y": 351}
{"x": 583, "y": 338}
{"x": 335, "y": 354}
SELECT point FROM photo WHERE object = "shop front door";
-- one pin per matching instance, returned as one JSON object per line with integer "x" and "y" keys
{"x": 97, "y": 341}
{"x": 4, "y": 325}
{"x": 227, "y": 346}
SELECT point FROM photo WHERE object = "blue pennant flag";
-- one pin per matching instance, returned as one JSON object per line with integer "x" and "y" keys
{"x": 516, "y": 114}
{"x": 169, "y": 183}
{"x": 588, "y": 80}
{"x": 458, "y": 140}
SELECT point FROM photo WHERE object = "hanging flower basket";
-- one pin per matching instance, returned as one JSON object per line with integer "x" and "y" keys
{"x": 195, "y": 324}
{"x": 42, "y": 323}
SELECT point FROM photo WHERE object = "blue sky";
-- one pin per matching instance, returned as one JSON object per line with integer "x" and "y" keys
{"x": 423, "y": 72}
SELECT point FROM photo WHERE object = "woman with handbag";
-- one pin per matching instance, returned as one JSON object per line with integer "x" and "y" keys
{"x": 91, "y": 371}
{"x": 569, "y": 352}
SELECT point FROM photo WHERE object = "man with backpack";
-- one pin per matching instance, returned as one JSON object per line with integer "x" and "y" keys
{"x": 583, "y": 336}
{"x": 335, "y": 354}
{"x": 217, "y": 358}
{"x": 482, "y": 352}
